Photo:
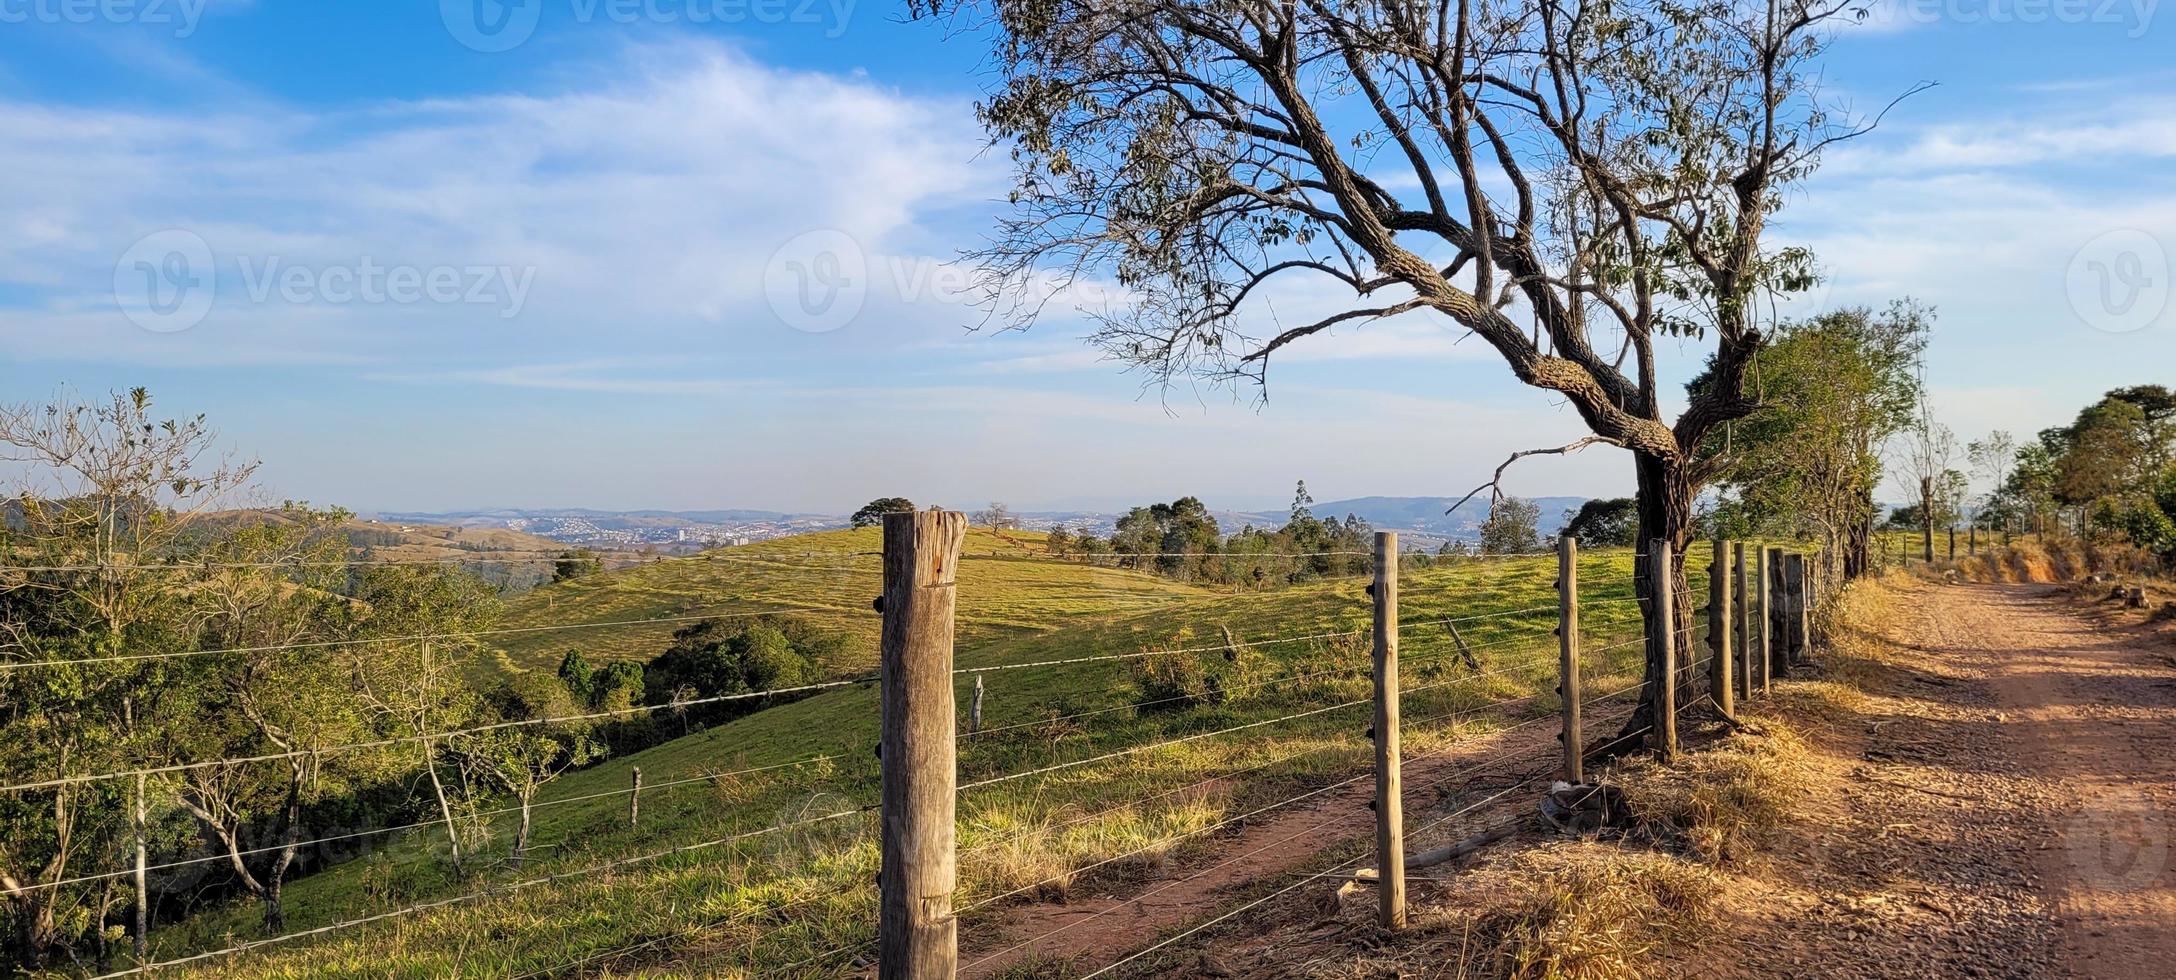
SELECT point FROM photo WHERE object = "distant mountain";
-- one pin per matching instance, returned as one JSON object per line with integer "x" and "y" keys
{"x": 1420, "y": 517}
{"x": 1427, "y": 514}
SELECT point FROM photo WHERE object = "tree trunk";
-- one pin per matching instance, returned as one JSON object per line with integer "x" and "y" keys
{"x": 445, "y": 809}
{"x": 521, "y": 836}
{"x": 1665, "y": 511}
{"x": 1926, "y": 517}
{"x": 275, "y": 917}
{"x": 34, "y": 929}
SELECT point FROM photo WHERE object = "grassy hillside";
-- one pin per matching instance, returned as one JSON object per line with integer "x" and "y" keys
{"x": 1007, "y": 588}
{"x": 774, "y": 898}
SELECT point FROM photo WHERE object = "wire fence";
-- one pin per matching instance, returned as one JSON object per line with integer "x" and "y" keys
{"x": 1470, "y": 672}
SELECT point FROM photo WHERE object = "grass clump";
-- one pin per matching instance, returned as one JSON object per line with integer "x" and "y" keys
{"x": 1592, "y": 912}
{"x": 1721, "y": 804}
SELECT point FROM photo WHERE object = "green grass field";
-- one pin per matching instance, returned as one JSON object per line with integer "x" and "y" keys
{"x": 777, "y": 897}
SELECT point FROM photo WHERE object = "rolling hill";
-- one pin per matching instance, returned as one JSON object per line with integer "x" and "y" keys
{"x": 724, "y": 844}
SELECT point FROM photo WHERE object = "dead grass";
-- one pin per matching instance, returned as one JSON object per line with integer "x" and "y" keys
{"x": 1721, "y": 805}
{"x": 1591, "y": 912}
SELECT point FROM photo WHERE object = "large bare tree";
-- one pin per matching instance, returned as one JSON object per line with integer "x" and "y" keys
{"x": 1573, "y": 182}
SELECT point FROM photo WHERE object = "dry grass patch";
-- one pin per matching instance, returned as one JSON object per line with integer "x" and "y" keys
{"x": 1723, "y": 803}
{"x": 1584, "y": 911}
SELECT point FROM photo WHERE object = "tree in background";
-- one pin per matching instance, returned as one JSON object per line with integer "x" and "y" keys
{"x": 579, "y": 677}
{"x": 272, "y": 585}
{"x": 1834, "y": 391}
{"x": 1599, "y": 179}
{"x": 575, "y": 564}
{"x": 872, "y": 513}
{"x": 1994, "y": 458}
{"x": 997, "y": 517}
{"x": 410, "y": 668}
{"x": 105, "y": 490}
{"x": 1612, "y": 523}
{"x": 522, "y": 760}
{"x": 1509, "y": 529}
{"x": 1929, "y": 447}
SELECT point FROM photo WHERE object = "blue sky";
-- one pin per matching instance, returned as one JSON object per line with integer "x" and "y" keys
{"x": 582, "y": 244}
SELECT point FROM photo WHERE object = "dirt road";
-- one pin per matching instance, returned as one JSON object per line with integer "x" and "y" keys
{"x": 2000, "y": 801}
{"x": 2010, "y": 810}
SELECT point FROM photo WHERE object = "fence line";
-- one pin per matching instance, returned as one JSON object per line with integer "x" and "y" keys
{"x": 433, "y": 822}
{"x": 412, "y": 638}
{"x": 1688, "y": 630}
{"x": 434, "y": 736}
{"x": 483, "y": 893}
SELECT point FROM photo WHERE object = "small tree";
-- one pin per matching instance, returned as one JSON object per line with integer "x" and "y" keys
{"x": 872, "y": 513}
{"x": 580, "y": 679}
{"x": 1612, "y": 523}
{"x": 1509, "y": 529}
{"x": 575, "y": 564}
{"x": 522, "y": 760}
{"x": 1994, "y": 458}
{"x": 997, "y": 517}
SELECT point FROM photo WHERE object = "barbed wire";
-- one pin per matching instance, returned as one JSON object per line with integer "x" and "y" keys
{"x": 411, "y": 638}
{"x": 1272, "y": 641}
{"x": 502, "y": 889}
{"x": 433, "y": 822}
{"x": 432, "y": 737}
{"x": 1335, "y": 871}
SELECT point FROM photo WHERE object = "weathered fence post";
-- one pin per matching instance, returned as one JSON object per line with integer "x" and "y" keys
{"x": 1801, "y": 593}
{"x": 1744, "y": 624}
{"x": 1389, "y": 794}
{"x": 1777, "y": 566}
{"x": 1664, "y": 592}
{"x": 974, "y": 710}
{"x": 1762, "y": 636}
{"x": 1972, "y": 539}
{"x": 1953, "y": 542}
{"x": 634, "y": 799}
{"x": 143, "y": 889}
{"x": 917, "y": 937}
{"x": 1720, "y": 683}
{"x": 1567, "y": 663}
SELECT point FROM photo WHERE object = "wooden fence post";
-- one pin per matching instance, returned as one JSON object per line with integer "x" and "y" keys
{"x": 1761, "y": 636}
{"x": 974, "y": 710}
{"x": 634, "y": 799}
{"x": 1721, "y": 686}
{"x": 1953, "y": 542}
{"x": 1389, "y": 794}
{"x": 1664, "y": 592}
{"x": 1779, "y": 614}
{"x": 1744, "y": 624}
{"x": 1567, "y": 665}
{"x": 143, "y": 889}
{"x": 1801, "y": 593}
{"x": 917, "y": 936}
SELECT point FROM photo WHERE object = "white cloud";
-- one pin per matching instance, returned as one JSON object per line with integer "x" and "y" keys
{"x": 646, "y": 201}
